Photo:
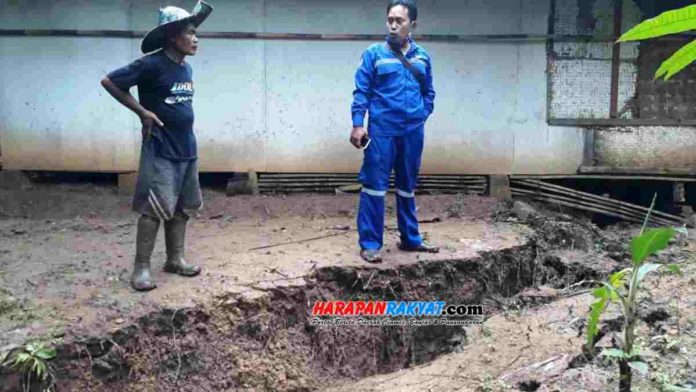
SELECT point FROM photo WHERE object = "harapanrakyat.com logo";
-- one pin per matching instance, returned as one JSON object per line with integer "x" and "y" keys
{"x": 379, "y": 313}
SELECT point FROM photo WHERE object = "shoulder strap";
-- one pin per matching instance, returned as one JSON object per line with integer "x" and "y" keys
{"x": 419, "y": 76}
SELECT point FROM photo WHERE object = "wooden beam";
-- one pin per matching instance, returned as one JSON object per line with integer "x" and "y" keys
{"x": 575, "y": 204}
{"x": 615, "y": 62}
{"x": 591, "y": 197}
{"x": 127, "y": 182}
{"x": 610, "y": 177}
{"x": 685, "y": 171}
{"x": 499, "y": 187}
{"x": 618, "y": 122}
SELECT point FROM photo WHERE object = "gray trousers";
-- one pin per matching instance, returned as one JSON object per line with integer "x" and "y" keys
{"x": 164, "y": 187}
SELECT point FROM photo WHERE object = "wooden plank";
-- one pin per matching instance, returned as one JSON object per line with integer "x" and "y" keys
{"x": 601, "y": 177}
{"x": 325, "y": 190}
{"x": 618, "y": 122}
{"x": 309, "y": 175}
{"x": 595, "y": 208}
{"x": 332, "y": 188}
{"x": 304, "y": 183}
{"x": 615, "y": 61}
{"x": 127, "y": 182}
{"x": 572, "y": 203}
{"x": 636, "y": 217}
{"x": 450, "y": 186}
{"x": 499, "y": 187}
{"x": 355, "y": 175}
{"x": 597, "y": 198}
{"x": 591, "y": 204}
{"x": 685, "y": 171}
{"x": 391, "y": 183}
{"x": 551, "y": 56}
{"x": 581, "y": 207}
{"x": 343, "y": 180}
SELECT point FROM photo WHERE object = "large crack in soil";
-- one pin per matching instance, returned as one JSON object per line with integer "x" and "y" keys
{"x": 263, "y": 340}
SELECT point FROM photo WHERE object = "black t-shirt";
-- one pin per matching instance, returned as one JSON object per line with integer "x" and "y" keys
{"x": 166, "y": 89}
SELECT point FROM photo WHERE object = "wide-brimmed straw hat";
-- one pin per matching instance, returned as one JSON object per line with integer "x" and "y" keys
{"x": 169, "y": 16}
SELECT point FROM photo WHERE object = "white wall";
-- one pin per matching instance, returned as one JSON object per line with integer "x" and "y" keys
{"x": 280, "y": 105}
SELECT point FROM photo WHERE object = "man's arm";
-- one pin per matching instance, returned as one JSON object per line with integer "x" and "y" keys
{"x": 124, "y": 97}
{"x": 147, "y": 118}
{"x": 361, "y": 98}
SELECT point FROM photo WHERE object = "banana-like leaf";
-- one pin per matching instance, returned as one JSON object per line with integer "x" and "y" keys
{"x": 21, "y": 358}
{"x": 614, "y": 353}
{"x": 674, "y": 268}
{"x": 669, "y": 22}
{"x": 678, "y": 61}
{"x": 596, "y": 310}
{"x": 617, "y": 279}
{"x": 641, "y": 367}
{"x": 41, "y": 372}
{"x": 650, "y": 242}
{"x": 645, "y": 269}
{"x": 608, "y": 291}
{"x": 600, "y": 293}
{"x": 46, "y": 353}
{"x": 674, "y": 388}
{"x": 637, "y": 351}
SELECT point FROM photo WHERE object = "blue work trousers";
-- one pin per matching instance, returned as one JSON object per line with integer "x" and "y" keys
{"x": 403, "y": 155}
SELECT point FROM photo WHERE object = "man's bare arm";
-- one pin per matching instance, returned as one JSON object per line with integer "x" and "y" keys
{"x": 147, "y": 118}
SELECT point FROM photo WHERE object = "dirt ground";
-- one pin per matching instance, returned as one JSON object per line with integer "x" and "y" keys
{"x": 520, "y": 348}
{"x": 66, "y": 253}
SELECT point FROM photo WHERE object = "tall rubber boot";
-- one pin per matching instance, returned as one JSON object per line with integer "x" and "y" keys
{"x": 175, "y": 235}
{"x": 144, "y": 245}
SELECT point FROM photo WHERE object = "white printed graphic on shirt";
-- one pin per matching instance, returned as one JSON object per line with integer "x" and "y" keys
{"x": 181, "y": 92}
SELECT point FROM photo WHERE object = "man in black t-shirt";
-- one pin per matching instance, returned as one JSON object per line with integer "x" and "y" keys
{"x": 168, "y": 173}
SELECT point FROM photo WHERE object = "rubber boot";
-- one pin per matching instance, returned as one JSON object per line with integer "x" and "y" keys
{"x": 175, "y": 235}
{"x": 144, "y": 245}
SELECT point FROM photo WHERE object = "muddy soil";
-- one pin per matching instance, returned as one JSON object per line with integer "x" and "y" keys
{"x": 68, "y": 263}
{"x": 66, "y": 252}
{"x": 539, "y": 348}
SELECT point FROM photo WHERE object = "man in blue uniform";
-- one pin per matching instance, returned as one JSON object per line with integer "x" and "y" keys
{"x": 167, "y": 183}
{"x": 394, "y": 85}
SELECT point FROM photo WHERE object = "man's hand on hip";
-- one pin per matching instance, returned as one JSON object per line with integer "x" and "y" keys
{"x": 148, "y": 119}
{"x": 356, "y": 136}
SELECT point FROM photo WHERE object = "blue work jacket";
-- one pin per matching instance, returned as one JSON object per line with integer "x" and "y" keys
{"x": 384, "y": 87}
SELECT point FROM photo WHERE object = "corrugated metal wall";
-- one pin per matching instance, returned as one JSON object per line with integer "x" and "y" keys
{"x": 280, "y": 105}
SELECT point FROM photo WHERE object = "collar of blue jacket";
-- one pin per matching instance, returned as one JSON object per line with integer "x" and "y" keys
{"x": 390, "y": 93}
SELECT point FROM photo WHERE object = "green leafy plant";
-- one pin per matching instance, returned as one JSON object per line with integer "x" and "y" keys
{"x": 622, "y": 287}
{"x": 674, "y": 388}
{"x": 31, "y": 361}
{"x": 669, "y": 22}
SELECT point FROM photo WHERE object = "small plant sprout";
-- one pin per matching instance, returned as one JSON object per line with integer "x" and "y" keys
{"x": 32, "y": 363}
{"x": 622, "y": 288}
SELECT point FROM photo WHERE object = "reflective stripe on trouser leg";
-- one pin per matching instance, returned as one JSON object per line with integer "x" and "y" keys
{"x": 409, "y": 149}
{"x": 371, "y": 220}
{"x": 374, "y": 177}
{"x": 408, "y": 221}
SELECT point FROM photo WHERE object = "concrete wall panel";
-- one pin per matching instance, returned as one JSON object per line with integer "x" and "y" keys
{"x": 55, "y": 114}
{"x": 230, "y": 104}
{"x": 282, "y": 105}
{"x": 141, "y": 15}
{"x": 647, "y": 147}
